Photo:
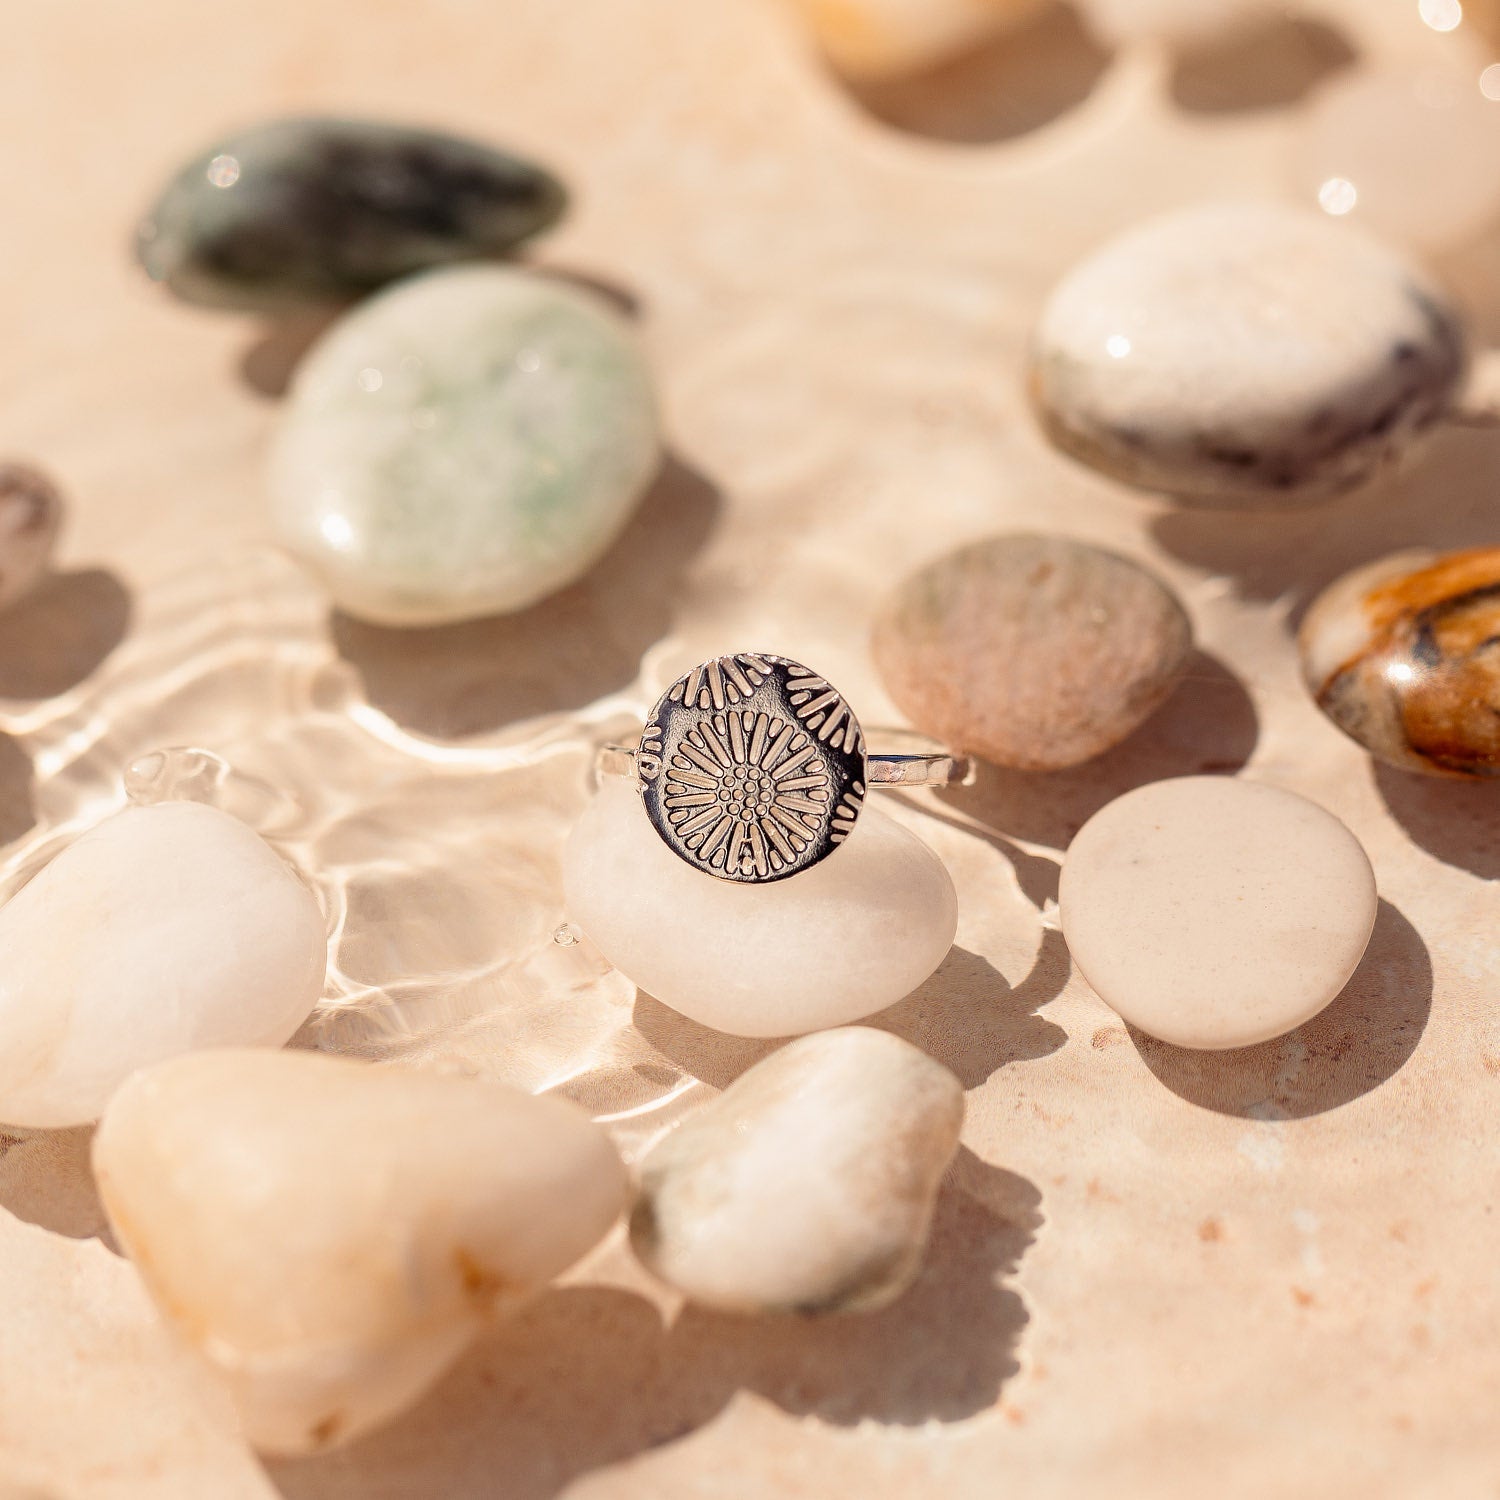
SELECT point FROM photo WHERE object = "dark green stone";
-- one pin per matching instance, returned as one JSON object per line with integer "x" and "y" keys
{"x": 320, "y": 210}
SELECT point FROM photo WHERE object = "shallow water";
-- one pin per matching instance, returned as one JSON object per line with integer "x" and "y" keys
{"x": 438, "y": 865}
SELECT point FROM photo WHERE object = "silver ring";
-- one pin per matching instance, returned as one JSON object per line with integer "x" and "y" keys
{"x": 753, "y": 768}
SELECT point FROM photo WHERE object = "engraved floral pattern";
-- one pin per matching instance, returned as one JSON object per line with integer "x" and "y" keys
{"x": 748, "y": 793}
{"x": 724, "y": 681}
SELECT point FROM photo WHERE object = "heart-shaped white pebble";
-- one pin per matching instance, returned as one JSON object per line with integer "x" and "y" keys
{"x": 331, "y": 1234}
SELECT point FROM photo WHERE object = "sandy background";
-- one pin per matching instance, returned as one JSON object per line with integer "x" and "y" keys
{"x": 1154, "y": 1273}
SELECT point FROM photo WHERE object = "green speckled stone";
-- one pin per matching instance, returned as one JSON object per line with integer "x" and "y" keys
{"x": 299, "y": 211}
{"x": 462, "y": 444}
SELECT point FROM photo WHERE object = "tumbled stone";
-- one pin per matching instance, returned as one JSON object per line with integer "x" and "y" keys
{"x": 330, "y": 1235}
{"x": 874, "y": 39}
{"x": 30, "y": 517}
{"x": 1244, "y": 354}
{"x": 319, "y": 210}
{"x": 1034, "y": 652}
{"x": 162, "y": 930}
{"x": 1404, "y": 656}
{"x": 834, "y": 943}
{"x": 463, "y": 444}
{"x": 1213, "y": 913}
{"x": 808, "y": 1185}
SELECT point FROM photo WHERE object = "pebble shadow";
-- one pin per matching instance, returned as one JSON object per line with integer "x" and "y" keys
{"x": 1004, "y": 88}
{"x": 573, "y": 648}
{"x": 973, "y": 1021}
{"x": 1359, "y": 1042}
{"x": 1452, "y": 820}
{"x": 1207, "y": 727}
{"x": 1275, "y": 63}
{"x": 61, "y": 632}
{"x": 46, "y": 1179}
{"x": 967, "y": 1016}
{"x": 1443, "y": 499}
{"x": 589, "y": 1376}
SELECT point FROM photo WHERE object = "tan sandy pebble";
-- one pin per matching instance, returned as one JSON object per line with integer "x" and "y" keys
{"x": 1211, "y": 912}
{"x": 164, "y": 929}
{"x": 1034, "y": 652}
{"x": 330, "y": 1235}
{"x": 808, "y": 1185}
{"x": 832, "y": 944}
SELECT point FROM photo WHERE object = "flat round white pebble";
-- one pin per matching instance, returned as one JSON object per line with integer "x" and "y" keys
{"x": 1210, "y": 912}
{"x": 163, "y": 930}
{"x": 833, "y": 944}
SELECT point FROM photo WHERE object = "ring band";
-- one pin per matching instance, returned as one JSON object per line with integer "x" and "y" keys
{"x": 936, "y": 769}
{"x": 753, "y": 768}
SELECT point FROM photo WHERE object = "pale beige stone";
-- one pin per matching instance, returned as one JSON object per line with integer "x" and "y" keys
{"x": 808, "y": 1185}
{"x": 163, "y": 929}
{"x": 329, "y": 1234}
{"x": 836, "y": 942}
{"x": 1035, "y": 652}
{"x": 1212, "y": 912}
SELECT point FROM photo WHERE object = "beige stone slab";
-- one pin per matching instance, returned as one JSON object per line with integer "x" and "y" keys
{"x": 1152, "y": 1274}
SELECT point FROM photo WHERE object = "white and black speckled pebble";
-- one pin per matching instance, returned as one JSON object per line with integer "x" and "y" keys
{"x": 1244, "y": 354}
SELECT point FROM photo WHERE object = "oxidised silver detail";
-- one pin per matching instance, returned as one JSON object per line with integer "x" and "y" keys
{"x": 752, "y": 768}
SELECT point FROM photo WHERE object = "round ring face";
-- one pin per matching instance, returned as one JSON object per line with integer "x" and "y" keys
{"x": 753, "y": 768}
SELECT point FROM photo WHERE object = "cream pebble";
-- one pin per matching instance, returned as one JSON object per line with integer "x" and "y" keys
{"x": 832, "y": 944}
{"x": 330, "y": 1235}
{"x": 1215, "y": 913}
{"x": 808, "y": 1185}
{"x": 1244, "y": 354}
{"x": 162, "y": 930}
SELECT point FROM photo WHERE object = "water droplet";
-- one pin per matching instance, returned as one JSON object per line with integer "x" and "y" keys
{"x": 565, "y": 936}
{"x": 224, "y": 171}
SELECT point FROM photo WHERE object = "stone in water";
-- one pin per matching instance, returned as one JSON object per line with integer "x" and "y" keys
{"x": 30, "y": 517}
{"x": 835, "y": 943}
{"x": 808, "y": 1185}
{"x": 162, "y": 930}
{"x": 320, "y": 210}
{"x": 1215, "y": 913}
{"x": 1033, "y": 652}
{"x": 331, "y": 1235}
{"x": 1404, "y": 656}
{"x": 463, "y": 444}
{"x": 1244, "y": 354}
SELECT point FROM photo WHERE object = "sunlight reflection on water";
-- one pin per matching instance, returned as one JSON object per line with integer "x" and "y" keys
{"x": 438, "y": 865}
